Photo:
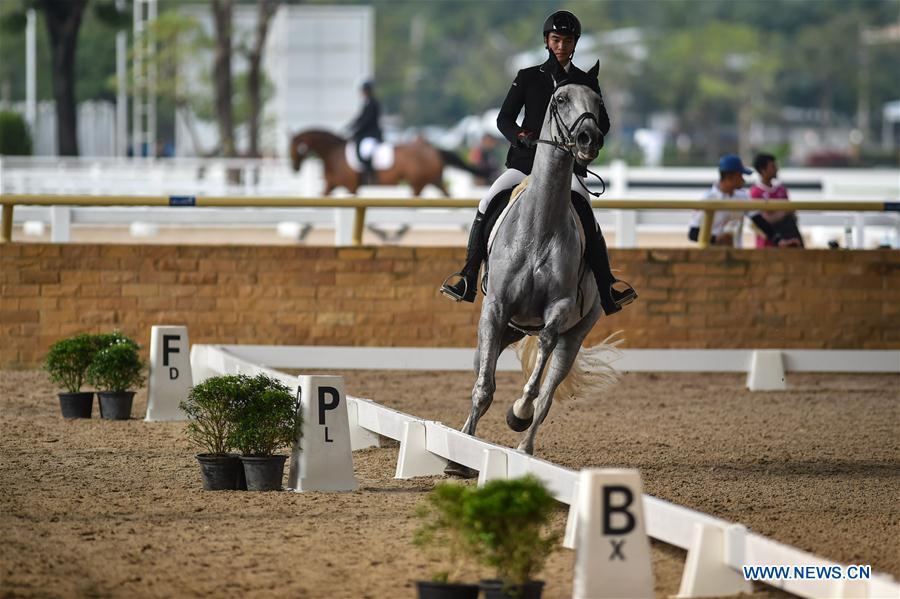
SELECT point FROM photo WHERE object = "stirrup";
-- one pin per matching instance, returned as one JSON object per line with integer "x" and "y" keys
{"x": 629, "y": 295}
{"x": 448, "y": 292}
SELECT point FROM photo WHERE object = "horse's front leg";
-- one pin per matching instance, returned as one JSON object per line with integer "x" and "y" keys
{"x": 521, "y": 413}
{"x": 491, "y": 327}
{"x": 563, "y": 357}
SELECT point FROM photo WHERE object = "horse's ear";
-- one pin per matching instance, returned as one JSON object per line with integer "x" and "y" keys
{"x": 594, "y": 71}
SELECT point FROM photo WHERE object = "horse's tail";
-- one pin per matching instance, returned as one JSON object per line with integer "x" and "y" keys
{"x": 452, "y": 159}
{"x": 591, "y": 373}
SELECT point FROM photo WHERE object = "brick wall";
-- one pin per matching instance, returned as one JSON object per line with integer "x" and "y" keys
{"x": 387, "y": 296}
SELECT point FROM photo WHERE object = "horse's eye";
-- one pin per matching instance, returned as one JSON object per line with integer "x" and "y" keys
{"x": 562, "y": 99}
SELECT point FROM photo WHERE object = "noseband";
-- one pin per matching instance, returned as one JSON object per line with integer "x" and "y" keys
{"x": 566, "y": 140}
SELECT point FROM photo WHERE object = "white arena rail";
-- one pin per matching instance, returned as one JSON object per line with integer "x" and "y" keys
{"x": 425, "y": 446}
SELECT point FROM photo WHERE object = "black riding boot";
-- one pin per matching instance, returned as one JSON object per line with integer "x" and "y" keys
{"x": 367, "y": 177}
{"x": 467, "y": 287}
{"x": 612, "y": 300}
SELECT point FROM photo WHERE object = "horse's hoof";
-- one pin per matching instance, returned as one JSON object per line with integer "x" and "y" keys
{"x": 459, "y": 471}
{"x": 516, "y": 423}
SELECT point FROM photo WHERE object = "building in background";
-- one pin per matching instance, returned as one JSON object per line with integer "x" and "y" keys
{"x": 315, "y": 58}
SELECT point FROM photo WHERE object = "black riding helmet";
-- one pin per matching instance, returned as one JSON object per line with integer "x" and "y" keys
{"x": 564, "y": 23}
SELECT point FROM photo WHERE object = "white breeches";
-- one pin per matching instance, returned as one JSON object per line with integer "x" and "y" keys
{"x": 367, "y": 147}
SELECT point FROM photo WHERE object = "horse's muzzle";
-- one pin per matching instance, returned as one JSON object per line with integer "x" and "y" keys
{"x": 587, "y": 144}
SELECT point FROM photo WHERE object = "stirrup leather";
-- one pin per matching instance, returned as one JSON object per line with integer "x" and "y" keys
{"x": 448, "y": 292}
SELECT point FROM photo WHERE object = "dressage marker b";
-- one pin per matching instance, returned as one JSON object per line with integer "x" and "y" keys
{"x": 612, "y": 550}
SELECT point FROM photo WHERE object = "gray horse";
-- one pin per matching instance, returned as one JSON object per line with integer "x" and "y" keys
{"x": 538, "y": 280}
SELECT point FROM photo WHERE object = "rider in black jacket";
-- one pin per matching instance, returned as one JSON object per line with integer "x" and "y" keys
{"x": 532, "y": 89}
{"x": 366, "y": 127}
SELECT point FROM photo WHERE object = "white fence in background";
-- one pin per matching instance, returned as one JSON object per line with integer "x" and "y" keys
{"x": 666, "y": 521}
{"x": 274, "y": 177}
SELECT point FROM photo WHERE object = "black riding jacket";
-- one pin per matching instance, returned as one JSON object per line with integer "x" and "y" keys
{"x": 366, "y": 124}
{"x": 532, "y": 88}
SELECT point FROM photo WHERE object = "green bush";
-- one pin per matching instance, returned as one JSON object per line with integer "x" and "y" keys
{"x": 209, "y": 406}
{"x": 504, "y": 523}
{"x": 68, "y": 360}
{"x": 441, "y": 532}
{"x": 15, "y": 140}
{"x": 265, "y": 417}
{"x": 117, "y": 367}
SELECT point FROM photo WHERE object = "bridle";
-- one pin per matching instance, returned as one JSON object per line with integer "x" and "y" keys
{"x": 566, "y": 139}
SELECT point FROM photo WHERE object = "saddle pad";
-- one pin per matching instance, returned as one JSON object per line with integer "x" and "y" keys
{"x": 382, "y": 158}
{"x": 516, "y": 192}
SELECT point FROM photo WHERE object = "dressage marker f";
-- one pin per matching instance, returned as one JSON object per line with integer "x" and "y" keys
{"x": 321, "y": 459}
{"x": 170, "y": 373}
{"x": 612, "y": 552}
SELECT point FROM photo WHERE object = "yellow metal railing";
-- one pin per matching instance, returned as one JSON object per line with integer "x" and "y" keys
{"x": 709, "y": 207}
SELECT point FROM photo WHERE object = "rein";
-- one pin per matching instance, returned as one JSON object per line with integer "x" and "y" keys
{"x": 567, "y": 143}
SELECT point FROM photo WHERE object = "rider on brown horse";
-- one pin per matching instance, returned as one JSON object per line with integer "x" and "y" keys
{"x": 366, "y": 131}
{"x": 532, "y": 89}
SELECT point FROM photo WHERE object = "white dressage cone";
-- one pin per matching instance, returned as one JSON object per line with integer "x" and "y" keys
{"x": 326, "y": 461}
{"x": 612, "y": 554}
{"x": 766, "y": 371}
{"x": 170, "y": 378}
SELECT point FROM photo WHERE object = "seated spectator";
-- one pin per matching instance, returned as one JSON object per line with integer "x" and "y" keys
{"x": 767, "y": 188}
{"x": 728, "y": 226}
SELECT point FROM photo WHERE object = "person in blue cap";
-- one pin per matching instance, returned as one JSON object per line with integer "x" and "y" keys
{"x": 728, "y": 225}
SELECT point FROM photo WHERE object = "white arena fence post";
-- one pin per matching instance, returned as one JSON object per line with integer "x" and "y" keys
{"x": 493, "y": 466}
{"x": 766, "y": 372}
{"x": 612, "y": 555}
{"x": 170, "y": 377}
{"x": 415, "y": 459}
{"x": 321, "y": 460}
{"x": 360, "y": 438}
{"x": 706, "y": 570}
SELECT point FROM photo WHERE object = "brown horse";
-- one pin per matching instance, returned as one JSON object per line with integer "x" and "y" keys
{"x": 416, "y": 163}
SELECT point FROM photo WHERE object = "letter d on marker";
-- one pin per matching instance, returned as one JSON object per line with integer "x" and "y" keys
{"x": 612, "y": 551}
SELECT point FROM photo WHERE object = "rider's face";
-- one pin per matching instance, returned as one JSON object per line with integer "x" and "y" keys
{"x": 562, "y": 46}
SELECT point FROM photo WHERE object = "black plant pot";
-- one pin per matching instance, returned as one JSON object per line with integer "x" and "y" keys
{"x": 264, "y": 473}
{"x": 76, "y": 405}
{"x": 495, "y": 589}
{"x": 115, "y": 405}
{"x": 446, "y": 590}
{"x": 222, "y": 472}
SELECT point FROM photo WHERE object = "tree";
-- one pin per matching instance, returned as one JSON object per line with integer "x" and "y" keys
{"x": 222, "y": 81}
{"x": 63, "y": 19}
{"x": 265, "y": 11}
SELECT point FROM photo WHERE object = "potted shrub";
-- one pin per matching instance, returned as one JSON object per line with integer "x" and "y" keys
{"x": 208, "y": 407}
{"x": 67, "y": 362}
{"x": 441, "y": 535}
{"x": 115, "y": 371}
{"x": 505, "y": 522}
{"x": 265, "y": 418}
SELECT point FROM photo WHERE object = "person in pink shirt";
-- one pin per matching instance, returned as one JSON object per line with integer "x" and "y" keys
{"x": 767, "y": 188}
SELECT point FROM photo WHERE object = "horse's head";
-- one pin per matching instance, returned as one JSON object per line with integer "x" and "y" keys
{"x": 574, "y": 109}
{"x": 299, "y": 150}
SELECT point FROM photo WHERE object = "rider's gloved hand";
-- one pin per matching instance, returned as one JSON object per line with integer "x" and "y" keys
{"x": 526, "y": 139}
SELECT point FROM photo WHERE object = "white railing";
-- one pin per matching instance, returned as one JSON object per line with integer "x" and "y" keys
{"x": 274, "y": 177}
{"x": 665, "y": 521}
